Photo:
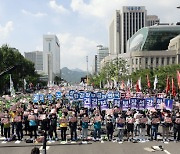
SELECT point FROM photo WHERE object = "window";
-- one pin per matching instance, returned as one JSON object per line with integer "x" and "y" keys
{"x": 146, "y": 60}
{"x": 162, "y": 61}
{"x": 49, "y": 46}
{"x": 139, "y": 60}
{"x": 132, "y": 61}
{"x": 173, "y": 60}
{"x": 167, "y": 60}
{"x": 151, "y": 60}
{"x": 157, "y": 61}
{"x": 136, "y": 61}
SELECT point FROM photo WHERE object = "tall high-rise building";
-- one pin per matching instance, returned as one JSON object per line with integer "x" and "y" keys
{"x": 94, "y": 66}
{"x": 152, "y": 20}
{"x": 124, "y": 24}
{"x": 37, "y": 58}
{"x": 102, "y": 52}
{"x": 51, "y": 56}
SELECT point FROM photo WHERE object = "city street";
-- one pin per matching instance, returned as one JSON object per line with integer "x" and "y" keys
{"x": 94, "y": 148}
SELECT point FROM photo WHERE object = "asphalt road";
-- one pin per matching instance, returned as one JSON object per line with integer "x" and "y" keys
{"x": 94, "y": 148}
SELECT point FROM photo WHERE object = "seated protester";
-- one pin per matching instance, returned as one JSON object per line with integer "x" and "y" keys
{"x": 109, "y": 127}
{"x": 73, "y": 126}
{"x": 53, "y": 126}
{"x": 63, "y": 125}
{"x": 97, "y": 127}
{"x": 32, "y": 124}
{"x": 166, "y": 123}
{"x": 18, "y": 126}
{"x": 176, "y": 121}
{"x": 130, "y": 126}
{"x": 142, "y": 127}
{"x": 84, "y": 124}
{"x": 6, "y": 124}
{"x": 155, "y": 120}
{"x": 120, "y": 124}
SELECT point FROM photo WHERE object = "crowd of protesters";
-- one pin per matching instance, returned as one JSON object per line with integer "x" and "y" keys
{"x": 24, "y": 119}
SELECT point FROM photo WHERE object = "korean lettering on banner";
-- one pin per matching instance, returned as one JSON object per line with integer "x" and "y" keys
{"x": 81, "y": 95}
{"x": 36, "y": 98}
{"x": 169, "y": 104}
{"x": 125, "y": 104}
{"x": 133, "y": 103}
{"x": 41, "y": 98}
{"x": 94, "y": 102}
{"x": 110, "y": 96}
{"x": 58, "y": 95}
{"x": 141, "y": 104}
{"x": 99, "y": 95}
{"x": 117, "y": 102}
{"x": 76, "y": 96}
{"x": 93, "y": 95}
{"x": 71, "y": 92}
{"x": 159, "y": 102}
{"x": 123, "y": 95}
{"x": 116, "y": 95}
{"x": 104, "y": 105}
{"x": 149, "y": 103}
{"x": 104, "y": 96}
{"x": 49, "y": 97}
{"x": 88, "y": 94}
{"x": 87, "y": 102}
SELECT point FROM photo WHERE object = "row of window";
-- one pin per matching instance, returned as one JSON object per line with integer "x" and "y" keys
{"x": 157, "y": 60}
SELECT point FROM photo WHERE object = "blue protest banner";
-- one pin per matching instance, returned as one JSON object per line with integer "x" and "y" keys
{"x": 110, "y": 96}
{"x": 71, "y": 92}
{"x": 141, "y": 104}
{"x": 50, "y": 97}
{"x": 104, "y": 105}
{"x": 88, "y": 94}
{"x": 134, "y": 103}
{"x": 36, "y": 98}
{"x": 125, "y": 104}
{"x": 99, "y": 95}
{"x": 94, "y": 102}
{"x": 149, "y": 103}
{"x": 76, "y": 96}
{"x": 159, "y": 102}
{"x": 81, "y": 95}
{"x": 117, "y": 102}
{"x": 104, "y": 96}
{"x": 117, "y": 95}
{"x": 87, "y": 102}
{"x": 93, "y": 95}
{"x": 169, "y": 104}
{"x": 58, "y": 95}
{"x": 41, "y": 98}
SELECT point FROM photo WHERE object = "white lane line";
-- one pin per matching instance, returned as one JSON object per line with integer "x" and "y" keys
{"x": 3, "y": 142}
{"x": 167, "y": 152}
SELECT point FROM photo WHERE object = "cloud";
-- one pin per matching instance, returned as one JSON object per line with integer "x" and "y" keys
{"x": 74, "y": 50}
{"x": 104, "y": 10}
{"x": 6, "y": 30}
{"x": 57, "y": 8}
{"x": 38, "y": 14}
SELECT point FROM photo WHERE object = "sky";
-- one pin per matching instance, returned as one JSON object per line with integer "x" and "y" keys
{"x": 80, "y": 25}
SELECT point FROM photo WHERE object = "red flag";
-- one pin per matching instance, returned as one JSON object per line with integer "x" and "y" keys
{"x": 137, "y": 86}
{"x": 148, "y": 82}
{"x": 173, "y": 88}
{"x": 178, "y": 79}
{"x": 167, "y": 85}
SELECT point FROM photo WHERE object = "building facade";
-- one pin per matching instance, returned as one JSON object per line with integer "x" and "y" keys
{"x": 152, "y": 20}
{"x": 124, "y": 24}
{"x": 102, "y": 52}
{"x": 94, "y": 66}
{"x": 51, "y": 56}
{"x": 37, "y": 58}
{"x": 153, "y": 47}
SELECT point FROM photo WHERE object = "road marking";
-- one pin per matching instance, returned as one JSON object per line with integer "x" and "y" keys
{"x": 17, "y": 142}
{"x": 3, "y": 142}
{"x": 167, "y": 152}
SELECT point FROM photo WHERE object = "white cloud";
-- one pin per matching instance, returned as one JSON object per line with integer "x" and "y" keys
{"x": 38, "y": 14}
{"x": 6, "y": 30}
{"x": 57, "y": 8}
{"x": 104, "y": 9}
{"x": 74, "y": 50}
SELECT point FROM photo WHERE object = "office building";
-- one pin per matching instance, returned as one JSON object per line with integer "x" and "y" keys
{"x": 94, "y": 66}
{"x": 124, "y": 24}
{"x": 152, "y": 20}
{"x": 51, "y": 56}
{"x": 154, "y": 46}
{"x": 102, "y": 52}
{"x": 37, "y": 58}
